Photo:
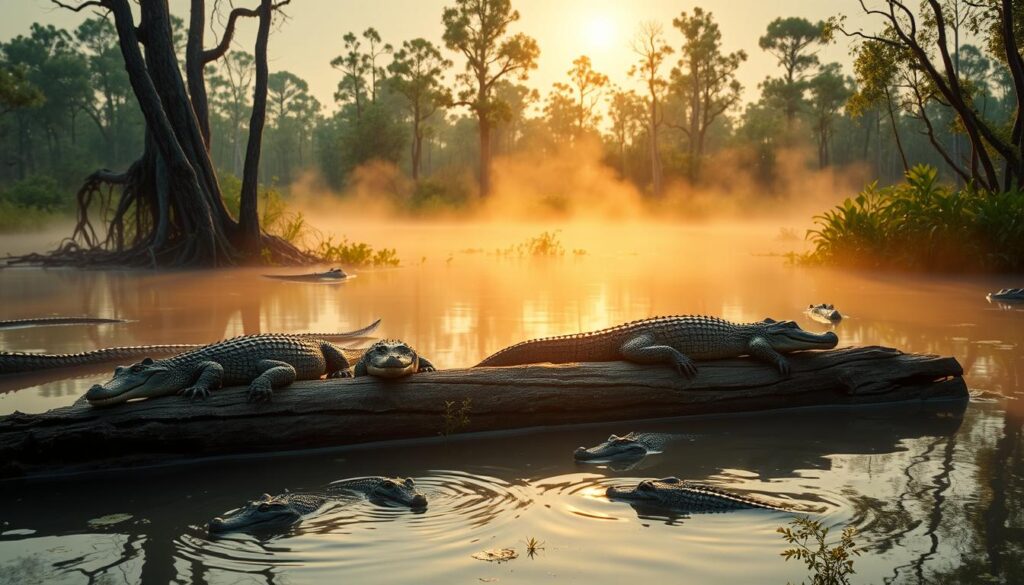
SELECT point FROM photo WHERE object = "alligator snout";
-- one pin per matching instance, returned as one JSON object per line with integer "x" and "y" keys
{"x": 94, "y": 392}
{"x": 419, "y": 501}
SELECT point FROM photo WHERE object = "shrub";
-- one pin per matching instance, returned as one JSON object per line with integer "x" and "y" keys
{"x": 922, "y": 225}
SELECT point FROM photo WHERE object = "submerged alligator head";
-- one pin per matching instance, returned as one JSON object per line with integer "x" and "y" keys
{"x": 616, "y": 447}
{"x": 267, "y": 514}
{"x": 143, "y": 379}
{"x": 397, "y": 491}
{"x": 825, "y": 312}
{"x": 787, "y": 336}
{"x": 672, "y": 492}
{"x": 275, "y": 513}
{"x": 391, "y": 358}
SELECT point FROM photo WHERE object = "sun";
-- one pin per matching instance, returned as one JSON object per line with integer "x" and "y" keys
{"x": 599, "y": 32}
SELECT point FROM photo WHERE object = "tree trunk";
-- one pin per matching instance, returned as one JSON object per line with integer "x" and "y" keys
{"x": 485, "y": 154}
{"x": 249, "y": 220}
{"x": 896, "y": 131}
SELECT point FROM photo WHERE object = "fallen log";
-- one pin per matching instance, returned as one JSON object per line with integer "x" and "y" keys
{"x": 349, "y": 411}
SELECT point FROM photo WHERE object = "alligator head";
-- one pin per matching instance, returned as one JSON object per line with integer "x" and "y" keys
{"x": 390, "y": 358}
{"x": 266, "y": 514}
{"x": 140, "y": 380}
{"x": 787, "y": 336}
{"x": 397, "y": 491}
{"x": 616, "y": 447}
{"x": 651, "y": 491}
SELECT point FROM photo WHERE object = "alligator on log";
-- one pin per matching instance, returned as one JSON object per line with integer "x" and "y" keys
{"x": 339, "y": 412}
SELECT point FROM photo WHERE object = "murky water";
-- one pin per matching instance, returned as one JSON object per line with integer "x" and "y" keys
{"x": 935, "y": 493}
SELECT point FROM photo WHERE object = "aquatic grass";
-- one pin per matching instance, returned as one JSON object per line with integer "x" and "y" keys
{"x": 828, "y": 563}
{"x": 533, "y": 546}
{"x": 922, "y": 224}
{"x": 547, "y": 244}
{"x": 353, "y": 253}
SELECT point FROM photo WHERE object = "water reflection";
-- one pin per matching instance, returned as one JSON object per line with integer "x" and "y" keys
{"x": 936, "y": 493}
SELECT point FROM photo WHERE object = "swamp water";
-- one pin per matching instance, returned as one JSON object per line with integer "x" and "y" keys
{"x": 935, "y": 492}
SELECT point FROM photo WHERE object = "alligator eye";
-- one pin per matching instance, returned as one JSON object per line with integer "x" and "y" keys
{"x": 389, "y": 484}
{"x": 381, "y": 349}
{"x": 118, "y": 370}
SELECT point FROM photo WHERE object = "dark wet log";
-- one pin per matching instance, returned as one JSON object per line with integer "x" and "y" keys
{"x": 345, "y": 411}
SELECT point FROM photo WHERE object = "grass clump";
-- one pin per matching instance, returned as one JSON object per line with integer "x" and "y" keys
{"x": 922, "y": 224}
{"x": 547, "y": 244}
{"x": 828, "y": 564}
{"x": 455, "y": 416}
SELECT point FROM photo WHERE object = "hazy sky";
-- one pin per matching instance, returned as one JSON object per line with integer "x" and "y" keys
{"x": 564, "y": 29}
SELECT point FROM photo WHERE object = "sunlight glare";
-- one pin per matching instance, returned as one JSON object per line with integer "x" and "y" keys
{"x": 599, "y": 32}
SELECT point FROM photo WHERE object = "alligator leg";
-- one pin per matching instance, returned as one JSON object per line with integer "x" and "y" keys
{"x": 360, "y": 370}
{"x": 209, "y": 378}
{"x": 337, "y": 364}
{"x": 425, "y": 365}
{"x": 273, "y": 374}
{"x": 642, "y": 350}
{"x": 762, "y": 350}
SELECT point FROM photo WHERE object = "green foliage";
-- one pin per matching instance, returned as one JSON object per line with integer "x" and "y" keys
{"x": 455, "y": 416}
{"x": 354, "y": 253}
{"x": 924, "y": 225}
{"x": 828, "y": 563}
{"x": 39, "y": 192}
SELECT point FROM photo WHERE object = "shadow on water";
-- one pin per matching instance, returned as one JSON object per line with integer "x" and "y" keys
{"x": 476, "y": 486}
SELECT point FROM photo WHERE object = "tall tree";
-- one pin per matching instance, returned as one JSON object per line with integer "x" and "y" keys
{"x": 16, "y": 91}
{"x": 377, "y": 48}
{"x": 232, "y": 88}
{"x": 829, "y": 91}
{"x": 791, "y": 41}
{"x": 108, "y": 78}
{"x": 417, "y": 73}
{"x": 626, "y": 114}
{"x": 290, "y": 109}
{"x": 651, "y": 50}
{"x": 587, "y": 87}
{"x": 478, "y": 30}
{"x": 705, "y": 80}
{"x": 170, "y": 211}
{"x": 923, "y": 33}
{"x": 354, "y": 65}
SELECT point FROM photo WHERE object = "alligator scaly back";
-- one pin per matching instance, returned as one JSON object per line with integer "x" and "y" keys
{"x": 674, "y": 341}
{"x": 18, "y": 362}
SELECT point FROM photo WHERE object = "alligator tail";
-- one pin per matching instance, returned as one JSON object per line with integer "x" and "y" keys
{"x": 44, "y": 321}
{"x": 364, "y": 332}
{"x": 555, "y": 350}
{"x": 14, "y": 363}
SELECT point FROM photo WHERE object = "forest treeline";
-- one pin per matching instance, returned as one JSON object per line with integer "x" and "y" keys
{"x": 67, "y": 107}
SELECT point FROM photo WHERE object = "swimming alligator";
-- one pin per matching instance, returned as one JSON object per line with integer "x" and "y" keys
{"x": 676, "y": 341}
{"x": 273, "y": 513}
{"x": 391, "y": 358}
{"x": 824, "y": 313}
{"x": 265, "y": 361}
{"x": 686, "y": 496}
{"x": 332, "y": 275}
{"x": 19, "y": 362}
{"x": 1007, "y": 294}
{"x": 628, "y": 446}
{"x": 47, "y": 321}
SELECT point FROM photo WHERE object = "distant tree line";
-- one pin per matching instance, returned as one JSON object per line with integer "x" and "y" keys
{"x": 938, "y": 83}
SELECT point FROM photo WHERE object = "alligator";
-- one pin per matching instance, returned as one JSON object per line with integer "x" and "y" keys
{"x": 824, "y": 313}
{"x": 391, "y": 358}
{"x": 676, "y": 341}
{"x": 18, "y": 362}
{"x": 332, "y": 275}
{"x": 265, "y": 361}
{"x": 280, "y": 512}
{"x": 1007, "y": 294}
{"x": 47, "y": 321}
{"x": 628, "y": 446}
{"x": 674, "y": 493}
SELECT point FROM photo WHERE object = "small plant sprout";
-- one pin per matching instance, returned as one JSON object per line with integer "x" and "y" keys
{"x": 533, "y": 546}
